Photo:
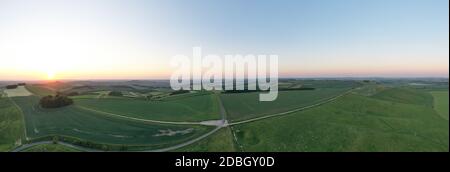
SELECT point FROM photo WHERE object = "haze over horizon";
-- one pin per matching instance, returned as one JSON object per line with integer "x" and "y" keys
{"x": 114, "y": 39}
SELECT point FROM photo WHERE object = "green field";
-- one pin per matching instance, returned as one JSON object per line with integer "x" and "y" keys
{"x": 243, "y": 106}
{"x": 11, "y": 125}
{"x": 86, "y": 125}
{"x": 39, "y": 90}
{"x": 221, "y": 141}
{"x": 441, "y": 103}
{"x": 191, "y": 108}
{"x": 50, "y": 148}
{"x": 406, "y": 95}
{"x": 367, "y": 116}
{"x": 353, "y": 123}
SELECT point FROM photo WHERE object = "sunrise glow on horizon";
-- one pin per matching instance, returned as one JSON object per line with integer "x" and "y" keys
{"x": 53, "y": 40}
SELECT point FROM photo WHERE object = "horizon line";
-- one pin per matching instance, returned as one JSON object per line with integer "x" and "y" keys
{"x": 318, "y": 77}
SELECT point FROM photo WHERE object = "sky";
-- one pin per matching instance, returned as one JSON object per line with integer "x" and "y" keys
{"x": 131, "y": 39}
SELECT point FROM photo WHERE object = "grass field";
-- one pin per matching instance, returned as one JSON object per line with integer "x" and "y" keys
{"x": 221, "y": 141}
{"x": 441, "y": 103}
{"x": 243, "y": 106}
{"x": 50, "y": 148}
{"x": 354, "y": 123}
{"x": 406, "y": 95}
{"x": 191, "y": 108}
{"x": 74, "y": 122}
{"x": 11, "y": 125}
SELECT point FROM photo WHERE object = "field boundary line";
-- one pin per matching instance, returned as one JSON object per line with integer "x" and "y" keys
{"x": 291, "y": 111}
{"x": 235, "y": 140}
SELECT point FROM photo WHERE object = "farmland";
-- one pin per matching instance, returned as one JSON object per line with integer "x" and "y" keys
{"x": 193, "y": 108}
{"x": 74, "y": 122}
{"x": 355, "y": 123}
{"x": 369, "y": 119}
{"x": 243, "y": 106}
{"x": 11, "y": 125}
{"x": 308, "y": 116}
{"x": 19, "y": 91}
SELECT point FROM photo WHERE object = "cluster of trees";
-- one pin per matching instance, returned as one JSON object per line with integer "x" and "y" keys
{"x": 15, "y": 85}
{"x": 292, "y": 89}
{"x": 115, "y": 93}
{"x": 258, "y": 90}
{"x": 179, "y": 92}
{"x": 55, "y": 101}
{"x": 11, "y": 86}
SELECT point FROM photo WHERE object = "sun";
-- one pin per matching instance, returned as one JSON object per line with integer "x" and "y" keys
{"x": 50, "y": 75}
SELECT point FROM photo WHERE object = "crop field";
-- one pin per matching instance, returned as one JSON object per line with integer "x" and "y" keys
{"x": 441, "y": 103}
{"x": 183, "y": 108}
{"x": 74, "y": 122}
{"x": 354, "y": 123}
{"x": 243, "y": 106}
{"x": 354, "y": 115}
{"x": 11, "y": 125}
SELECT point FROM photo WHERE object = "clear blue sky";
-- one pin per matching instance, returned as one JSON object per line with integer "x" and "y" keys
{"x": 312, "y": 37}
